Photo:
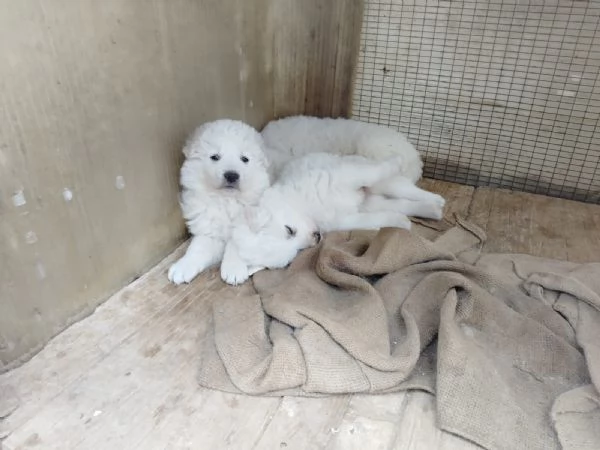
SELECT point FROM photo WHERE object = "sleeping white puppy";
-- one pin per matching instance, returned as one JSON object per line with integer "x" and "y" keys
{"x": 296, "y": 136}
{"x": 225, "y": 170}
{"x": 318, "y": 193}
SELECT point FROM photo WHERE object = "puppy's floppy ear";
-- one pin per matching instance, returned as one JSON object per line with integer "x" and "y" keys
{"x": 188, "y": 150}
{"x": 265, "y": 161}
{"x": 256, "y": 218}
{"x": 262, "y": 156}
{"x": 194, "y": 143}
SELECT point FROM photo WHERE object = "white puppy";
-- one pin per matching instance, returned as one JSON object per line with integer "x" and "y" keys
{"x": 297, "y": 136}
{"x": 225, "y": 169}
{"x": 318, "y": 193}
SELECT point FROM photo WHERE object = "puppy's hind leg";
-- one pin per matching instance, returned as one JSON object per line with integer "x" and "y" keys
{"x": 427, "y": 210}
{"x": 401, "y": 187}
{"x": 202, "y": 253}
{"x": 372, "y": 221}
{"x": 369, "y": 173}
{"x": 234, "y": 270}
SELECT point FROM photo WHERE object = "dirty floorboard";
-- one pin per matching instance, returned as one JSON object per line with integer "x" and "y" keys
{"x": 124, "y": 378}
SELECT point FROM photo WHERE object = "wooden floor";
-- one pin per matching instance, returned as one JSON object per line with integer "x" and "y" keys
{"x": 124, "y": 378}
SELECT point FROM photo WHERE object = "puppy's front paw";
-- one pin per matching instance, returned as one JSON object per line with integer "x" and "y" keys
{"x": 403, "y": 222}
{"x": 234, "y": 272}
{"x": 431, "y": 210}
{"x": 437, "y": 207}
{"x": 438, "y": 212}
{"x": 183, "y": 271}
{"x": 439, "y": 201}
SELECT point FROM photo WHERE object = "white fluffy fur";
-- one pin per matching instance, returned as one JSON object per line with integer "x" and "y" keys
{"x": 210, "y": 207}
{"x": 297, "y": 136}
{"x": 322, "y": 192}
{"x": 210, "y": 204}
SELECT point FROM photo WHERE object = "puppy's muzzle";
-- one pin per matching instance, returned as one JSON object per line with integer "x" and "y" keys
{"x": 232, "y": 178}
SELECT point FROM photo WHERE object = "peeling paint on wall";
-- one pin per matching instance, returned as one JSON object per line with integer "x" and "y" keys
{"x": 120, "y": 182}
{"x": 18, "y": 198}
{"x": 31, "y": 237}
{"x": 67, "y": 195}
{"x": 40, "y": 270}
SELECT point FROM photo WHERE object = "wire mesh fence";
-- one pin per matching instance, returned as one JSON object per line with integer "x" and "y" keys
{"x": 498, "y": 93}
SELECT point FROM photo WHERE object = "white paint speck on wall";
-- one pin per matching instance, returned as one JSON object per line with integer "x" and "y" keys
{"x": 120, "y": 182}
{"x": 67, "y": 194}
{"x": 244, "y": 73}
{"x": 41, "y": 271}
{"x": 18, "y": 198}
{"x": 31, "y": 237}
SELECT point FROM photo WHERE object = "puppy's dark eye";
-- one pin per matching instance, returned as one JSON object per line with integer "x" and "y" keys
{"x": 290, "y": 231}
{"x": 244, "y": 159}
{"x": 215, "y": 157}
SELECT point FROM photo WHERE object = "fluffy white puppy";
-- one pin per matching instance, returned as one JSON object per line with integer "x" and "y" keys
{"x": 225, "y": 169}
{"x": 297, "y": 136}
{"x": 318, "y": 193}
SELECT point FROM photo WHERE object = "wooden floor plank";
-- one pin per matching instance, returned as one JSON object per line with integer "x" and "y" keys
{"x": 211, "y": 420}
{"x": 114, "y": 404}
{"x": 417, "y": 429}
{"x": 302, "y": 423}
{"x": 371, "y": 422}
{"x": 517, "y": 222}
{"x": 87, "y": 342}
{"x": 145, "y": 395}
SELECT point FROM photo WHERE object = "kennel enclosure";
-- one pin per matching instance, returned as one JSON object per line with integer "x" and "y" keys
{"x": 96, "y": 99}
{"x": 499, "y": 93}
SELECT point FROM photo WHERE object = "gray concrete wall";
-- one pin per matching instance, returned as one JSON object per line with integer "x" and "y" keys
{"x": 96, "y": 99}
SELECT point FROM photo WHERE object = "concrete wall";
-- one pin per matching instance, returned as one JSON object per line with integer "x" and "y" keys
{"x": 96, "y": 99}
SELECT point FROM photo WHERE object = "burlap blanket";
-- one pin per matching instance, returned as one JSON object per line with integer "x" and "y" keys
{"x": 508, "y": 344}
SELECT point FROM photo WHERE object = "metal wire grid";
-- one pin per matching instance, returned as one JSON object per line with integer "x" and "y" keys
{"x": 500, "y": 93}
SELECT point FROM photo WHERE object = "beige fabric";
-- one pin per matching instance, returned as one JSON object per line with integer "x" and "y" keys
{"x": 503, "y": 341}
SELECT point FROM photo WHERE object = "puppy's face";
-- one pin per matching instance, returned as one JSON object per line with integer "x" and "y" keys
{"x": 230, "y": 158}
{"x": 274, "y": 235}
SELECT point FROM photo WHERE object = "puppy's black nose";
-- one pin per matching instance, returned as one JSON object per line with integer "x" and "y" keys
{"x": 317, "y": 236}
{"x": 231, "y": 176}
